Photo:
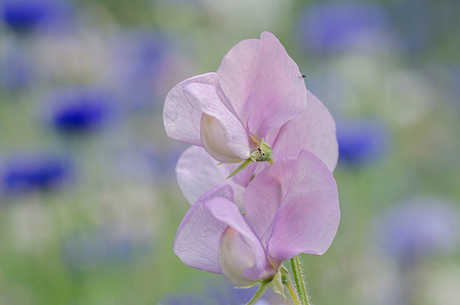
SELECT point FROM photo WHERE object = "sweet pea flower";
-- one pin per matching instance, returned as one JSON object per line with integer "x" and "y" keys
{"x": 291, "y": 207}
{"x": 260, "y": 95}
{"x": 255, "y": 91}
{"x": 314, "y": 130}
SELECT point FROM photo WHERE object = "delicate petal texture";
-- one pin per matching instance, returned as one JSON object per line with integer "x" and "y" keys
{"x": 314, "y": 130}
{"x": 277, "y": 92}
{"x": 238, "y": 246}
{"x": 182, "y": 112}
{"x": 222, "y": 134}
{"x": 198, "y": 236}
{"x": 236, "y": 71}
{"x": 197, "y": 172}
{"x": 266, "y": 192}
{"x": 309, "y": 216}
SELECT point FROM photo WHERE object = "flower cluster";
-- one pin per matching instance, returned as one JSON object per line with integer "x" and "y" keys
{"x": 259, "y": 176}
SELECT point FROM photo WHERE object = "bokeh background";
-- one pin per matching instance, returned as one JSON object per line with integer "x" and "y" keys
{"x": 89, "y": 204}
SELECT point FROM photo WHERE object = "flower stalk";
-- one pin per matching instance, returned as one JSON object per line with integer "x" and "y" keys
{"x": 299, "y": 282}
{"x": 259, "y": 293}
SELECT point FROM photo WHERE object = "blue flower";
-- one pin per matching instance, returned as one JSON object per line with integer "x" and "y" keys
{"x": 35, "y": 173}
{"x": 220, "y": 293}
{"x": 25, "y": 15}
{"x": 361, "y": 142}
{"x": 419, "y": 227}
{"x": 81, "y": 109}
{"x": 139, "y": 61}
{"x": 335, "y": 26}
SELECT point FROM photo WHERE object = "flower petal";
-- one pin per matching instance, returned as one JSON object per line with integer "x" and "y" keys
{"x": 197, "y": 172}
{"x": 266, "y": 192}
{"x": 182, "y": 112}
{"x": 222, "y": 134}
{"x": 237, "y": 69}
{"x": 277, "y": 92}
{"x": 241, "y": 254}
{"x": 198, "y": 236}
{"x": 309, "y": 215}
{"x": 314, "y": 130}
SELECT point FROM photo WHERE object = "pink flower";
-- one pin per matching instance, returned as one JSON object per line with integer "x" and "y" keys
{"x": 291, "y": 207}
{"x": 314, "y": 129}
{"x": 256, "y": 90}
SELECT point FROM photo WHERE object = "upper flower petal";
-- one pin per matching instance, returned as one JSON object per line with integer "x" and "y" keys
{"x": 222, "y": 134}
{"x": 241, "y": 254}
{"x": 198, "y": 236}
{"x": 236, "y": 71}
{"x": 197, "y": 172}
{"x": 277, "y": 90}
{"x": 314, "y": 130}
{"x": 308, "y": 218}
{"x": 182, "y": 112}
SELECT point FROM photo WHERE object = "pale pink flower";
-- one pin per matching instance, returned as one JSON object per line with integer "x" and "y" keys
{"x": 256, "y": 90}
{"x": 291, "y": 207}
{"x": 197, "y": 172}
{"x": 257, "y": 94}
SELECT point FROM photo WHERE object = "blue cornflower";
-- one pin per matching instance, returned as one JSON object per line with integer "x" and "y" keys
{"x": 361, "y": 142}
{"x": 25, "y": 15}
{"x": 335, "y": 26}
{"x": 80, "y": 109}
{"x": 35, "y": 173}
{"x": 139, "y": 62}
{"x": 419, "y": 227}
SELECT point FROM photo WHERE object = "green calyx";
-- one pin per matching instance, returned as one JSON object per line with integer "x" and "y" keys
{"x": 261, "y": 154}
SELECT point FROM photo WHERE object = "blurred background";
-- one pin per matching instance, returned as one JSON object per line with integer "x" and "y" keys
{"x": 89, "y": 204}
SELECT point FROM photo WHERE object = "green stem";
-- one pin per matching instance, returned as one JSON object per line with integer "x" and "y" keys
{"x": 292, "y": 292}
{"x": 300, "y": 285}
{"x": 259, "y": 293}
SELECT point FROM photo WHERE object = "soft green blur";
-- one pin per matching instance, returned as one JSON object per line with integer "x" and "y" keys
{"x": 106, "y": 236}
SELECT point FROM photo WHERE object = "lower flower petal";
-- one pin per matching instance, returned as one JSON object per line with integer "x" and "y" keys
{"x": 198, "y": 236}
{"x": 242, "y": 256}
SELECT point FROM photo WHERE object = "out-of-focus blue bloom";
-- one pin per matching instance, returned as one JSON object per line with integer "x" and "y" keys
{"x": 362, "y": 142}
{"x": 419, "y": 227}
{"x": 81, "y": 109}
{"x": 220, "y": 293}
{"x": 35, "y": 173}
{"x": 16, "y": 69}
{"x": 139, "y": 61}
{"x": 25, "y": 15}
{"x": 105, "y": 247}
{"x": 337, "y": 26}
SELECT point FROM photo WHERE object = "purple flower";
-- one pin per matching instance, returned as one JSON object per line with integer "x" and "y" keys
{"x": 419, "y": 227}
{"x": 291, "y": 207}
{"x": 263, "y": 99}
{"x": 257, "y": 89}
{"x": 31, "y": 173}
{"x": 140, "y": 60}
{"x": 337, "y": 26}
{"x": 197, "y": 172}
{"x": 361, "y": 142}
